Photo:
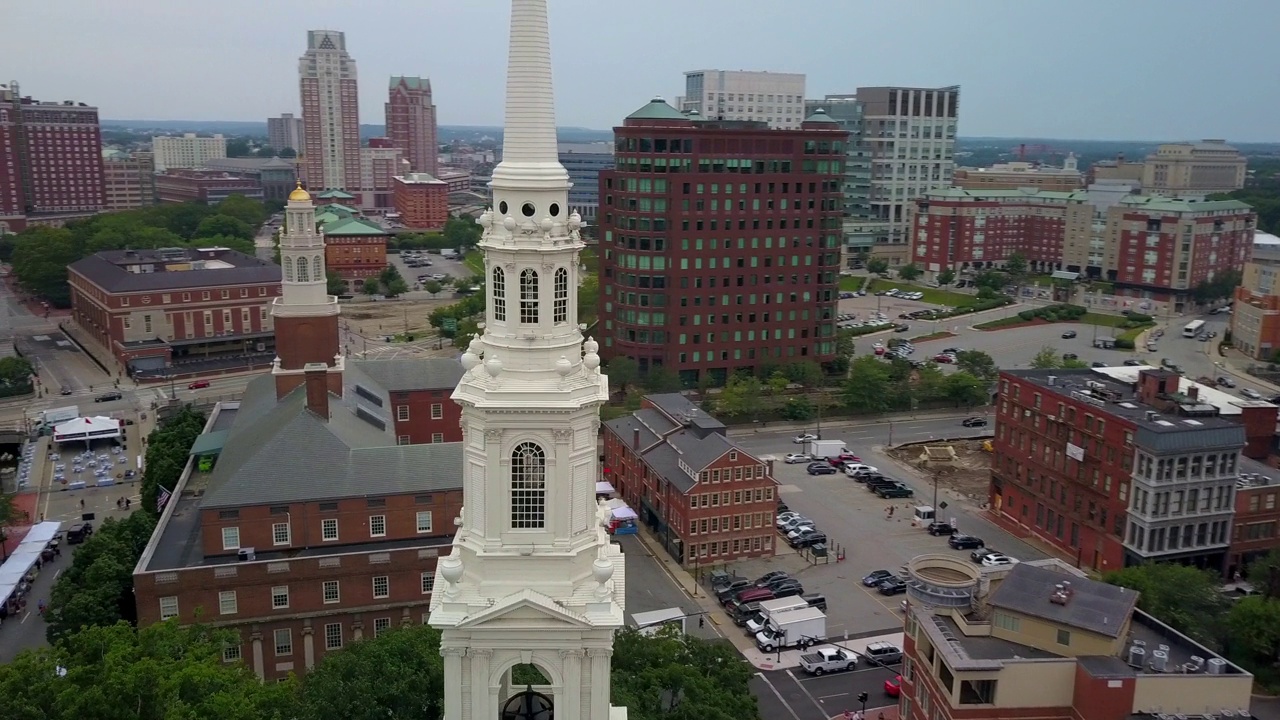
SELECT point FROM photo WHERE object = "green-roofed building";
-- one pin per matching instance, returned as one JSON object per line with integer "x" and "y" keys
{"x": 355, "y": 247}
{"x": 658, "y": 109}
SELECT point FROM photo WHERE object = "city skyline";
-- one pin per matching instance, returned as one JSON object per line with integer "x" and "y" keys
{"x": 1015, "y": 83}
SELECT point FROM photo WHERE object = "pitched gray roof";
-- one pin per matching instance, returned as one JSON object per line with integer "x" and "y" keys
{"x": 655, "y": 421}
{"x": 666, "y": 462}
{"x": 625, "y": 427}
{"x": 699, "y": 452}
{"x": 680, "y": 409}
{"x": 404, "y": 375}
{"x": 1093, "y": 606}
{"x": 106, "y": 270}
{"x": 279, "y": 452}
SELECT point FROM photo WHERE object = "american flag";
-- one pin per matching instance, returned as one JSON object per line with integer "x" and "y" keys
{"x": 162, "y": 498}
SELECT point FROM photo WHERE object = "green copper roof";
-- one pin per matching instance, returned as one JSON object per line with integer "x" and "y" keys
{"x": 959, "y": 192}
{"x": 821, "y": 116}
{"x": 657, "y": 109}
{"x": 413, "y": 83}
{"x": 339, "y": 210}
{"x": 1178, "y": 205}
{"x": 336, "y": 194}
{"x": 353, "y": 226}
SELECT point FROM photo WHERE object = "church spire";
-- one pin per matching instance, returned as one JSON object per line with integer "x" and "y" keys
{"x": 530, "y": 132}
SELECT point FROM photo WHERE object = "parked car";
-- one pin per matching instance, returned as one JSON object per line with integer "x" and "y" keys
{"x": 1069, "y": 335}
{"x": 108, "y": 397}
{"x": 875, "y": 577}
{"x": 1225, "y": 381}
{"x": 198, "y": 384}
{"x": 804, "y": 438}
{"x": 784, "y": 517}
{"x": 727, "y": 592}
{"x": 892, "y": 586}
{"x": 972, "y": 422}
{"x": 1247, "y": 392}
{"x": 854, "y": 468}
{"x": 1097, "y": 364}
{"x": 770, "y": 577}
{"x": 902, "y": 328}
{"x": 1133, "y": 363}
{"x": 798, "y": 530}
{"x": 807, "y": 539}
{"x": 793, "y": 458}
{"x": 821, "y": 470}
{"x": 895, "y": 490}
{"x": 817, "y": 600}
{"x": 965, "y": 542}
{"x": 982, "y": 552}
{"x": 828, "y": 659}
{"x": 996, "y": 559}
{"x": 794, "y": 523}
{"x": 843, "y": 458}
{"x": 791, "y": 588}
{"x": 882, "y": 653}
{"x": 1070, "y": 356}
{"x": 893, "y": 686}
{"x": 941, "y": 528}
{"x": 754, "y": 594}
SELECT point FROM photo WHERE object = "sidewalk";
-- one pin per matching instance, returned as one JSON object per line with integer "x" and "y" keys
{"x": 855, "y": 421}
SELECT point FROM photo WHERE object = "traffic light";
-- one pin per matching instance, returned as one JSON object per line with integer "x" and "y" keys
{"x": 702, "y": 622}
{"x": 862, "y": 697}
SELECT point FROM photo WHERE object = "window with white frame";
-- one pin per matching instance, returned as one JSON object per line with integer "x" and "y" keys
{"x": 333, "y": 636}
{"x": 424, "y": 521}
{"x": 560, "y": 304}
{"x": 330, "y": 592}
{"x": 231, "y": 653}
{"x": 280, "y": 533}
{"x": 329, "y": 529}
{"x": 168, "y": 607}
{"x": 230, "y": 538}
{"x": 381, "y": 625}
{"x": 529, "y": 296}
{"x": 283, "y": 642}
{"x": 437, "y": 411}
{"x": 437, "y": 437}
{"x": 402, "y": 413}
{"x": 499, "y": 295}
{"x": 227, "y": 604}
{"x": 528, "y": 487}
{"x": 377, "y": 525}
{"x": 403, "y": 440}
{"x": 280, "y": 597}
{"x": 381, "y": 586}
{"x": 428, "y": 582}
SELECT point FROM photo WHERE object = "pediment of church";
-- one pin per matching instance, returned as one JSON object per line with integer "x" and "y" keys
{"x": 525, "y": 609}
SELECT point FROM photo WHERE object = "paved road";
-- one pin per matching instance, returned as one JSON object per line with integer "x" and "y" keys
{"x": 797, "y": 695}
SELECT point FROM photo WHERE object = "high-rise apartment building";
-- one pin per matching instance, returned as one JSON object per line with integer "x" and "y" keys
{"x": 585, "y": 161}
{"x": 188, "y": 151}
{"x": 285, "y": 132}
{"x": 773, "y": 98}
{"x": 859, "y": 227}
{"x": 720, "y": 243}
{"x": 50, "y": 159}
{"x": 380, "y": 163}
{"x": 330, "y": 113}
{"x": 411, "y": 122}
{"x": 130, "y": 180}
{"x": 912, "y": 136}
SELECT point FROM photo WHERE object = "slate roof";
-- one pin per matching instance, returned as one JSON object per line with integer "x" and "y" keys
{"x": 280, "y": 452}
{"x": 699, "y": 452}
{"x": 655, "y": 421}
{"x": 404, "y": 375}
{"x": 682, "y": 410}
{"x": 1093, "y": 606}
{"x": 106, "y": 270}
{"x": 625, "y": 427}
{"x": 657, "y": 109}
{"x": 666, "y": 462}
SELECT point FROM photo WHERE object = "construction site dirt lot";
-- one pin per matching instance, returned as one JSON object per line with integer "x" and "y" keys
{"x": 389, "y": 317}
{"x": 968, "y": 474}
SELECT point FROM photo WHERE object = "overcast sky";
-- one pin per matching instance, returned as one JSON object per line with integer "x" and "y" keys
{"x": 1083, "y": 69}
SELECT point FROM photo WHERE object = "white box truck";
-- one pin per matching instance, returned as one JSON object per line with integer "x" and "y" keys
{"x": 793, "y": 628}
{"x": 820, "y": 449}
{"x": 769, "y": 608}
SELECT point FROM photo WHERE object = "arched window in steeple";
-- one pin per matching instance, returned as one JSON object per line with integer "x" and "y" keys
{"x": 303, "y": 274}
{"x": 560, "y": 304}
{"x": 288, "y": 271}
{"x": 317, "y": 268}
{"x": 528, "y": 487}
{"x": 529, "y": 296}
{"x": 499, "y": 295}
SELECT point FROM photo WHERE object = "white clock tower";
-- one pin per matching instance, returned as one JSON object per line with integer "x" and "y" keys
{"x": 532, "y": 578}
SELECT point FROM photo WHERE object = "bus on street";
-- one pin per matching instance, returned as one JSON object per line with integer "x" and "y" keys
{"x": 1193, "y": 328}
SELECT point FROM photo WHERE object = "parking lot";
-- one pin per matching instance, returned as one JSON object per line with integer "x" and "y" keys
{"x": 440, "y": 266}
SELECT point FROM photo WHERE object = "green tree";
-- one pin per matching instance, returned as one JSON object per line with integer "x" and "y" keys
{"x": 1073, "y": 364}
{"x": 806, "y": 372}
{"x": 797, "y": 408}
{"x": 334, "y": 284}
{"x": 97, "y": 589}
{"x": 878, "y": 266}
{"x": 977, "y": 364}
{"x": 946, "y": 276}
{"x": 623, "y": 372}
{"x": 1264, "y": 574}
{"x": 740, "y": 397}
{"x": 909, "y": 272}
{"x": 777, "y": 383}
{"x": 168, "y": 448}
{"x": 398, "y": 675}
{"x": 16, "y": 371}
{"x": 265, "y": 151}
{"x": 462, "y": 232}
{"x": 662, "y": 380}
{"x": 1047, "y": 359}
{"x": 249, "y": 212}
{"x": 163, "y": 672}
{"x": 432, "y": 287}
{"x": 672, "y": 676}
{"x": 1185, "y": 598}
{"x": 1253, "y": 625}
{"x": 1016, "y": 267}
{"x": 238, "y": 147}
{"x": 868, "y": 388}
{"x": 224, "y": 225}
{"x": 929, "y": 383}
{"x": 40, "y": 259}
{"x": 965, "y": 389}
{"x": 397, "y": 287}
{"x": 371, "y": 286}
{"x": 588, "y": 299}
{"x": 990, "y": 279}
{"x": 288, "y": 153}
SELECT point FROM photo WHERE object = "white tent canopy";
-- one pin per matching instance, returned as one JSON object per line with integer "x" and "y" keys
{"x": 604, "y": 488}
{"x": 86, "y": 428}
{"x": 24, "y": 556}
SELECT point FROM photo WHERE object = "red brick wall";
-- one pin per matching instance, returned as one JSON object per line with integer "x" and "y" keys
{"x": 422, "y": 205}
{"x": 302, "y": 340}
{"x": 422, "y": 426}
{"x": 355, "y": 257}
{"x": 1102, "y": 698}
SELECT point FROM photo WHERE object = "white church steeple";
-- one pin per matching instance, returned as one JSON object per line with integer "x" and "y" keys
{"x": 532, "y": 577}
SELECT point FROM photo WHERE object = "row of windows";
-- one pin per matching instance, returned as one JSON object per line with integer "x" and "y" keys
{"x": 437, "y": 412}
{"x": 728, "y": 548}
{"x": 529, "y": 296}
{"x": 281, "y": 533}
{"x": 167, "y": 298}
{"x": 282, "y": 639}
{"x": 330, "y": 594}
{"x": 723, "y": 523}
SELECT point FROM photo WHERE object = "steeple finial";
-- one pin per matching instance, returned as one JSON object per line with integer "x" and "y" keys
{"x": 530, "y": 130}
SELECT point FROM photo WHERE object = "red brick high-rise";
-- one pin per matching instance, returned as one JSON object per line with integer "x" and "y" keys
{"x": 50, "y": 160}
{"x": 411, "y": 122}
{"x": 330, "y": 113}
{"x": 720, "y": 243}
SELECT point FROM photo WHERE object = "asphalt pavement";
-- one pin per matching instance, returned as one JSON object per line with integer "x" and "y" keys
{"x": 797, "y": 695}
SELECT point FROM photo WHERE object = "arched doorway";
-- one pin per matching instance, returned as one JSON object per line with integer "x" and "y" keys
{"x": 528, "y": 704}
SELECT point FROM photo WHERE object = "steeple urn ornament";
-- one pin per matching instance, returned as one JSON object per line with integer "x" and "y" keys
{"x": 486, "y": 218}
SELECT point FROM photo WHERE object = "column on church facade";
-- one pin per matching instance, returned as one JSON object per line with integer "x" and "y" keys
{"x": 599, "y": 683}
{"x": 483, "y": 703}
{"x": 452, "y": 683}
{"x": 571, "y": 691}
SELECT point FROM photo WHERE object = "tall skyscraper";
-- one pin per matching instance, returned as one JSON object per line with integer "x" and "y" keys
{"x": 50, "y": 159}
{"x": 532, "y": 576}
{"x": 285, "y": 132}
{"x": 411, "y": 122}
{"x": 774, "y": 98}
{"x": 330, "y": 113}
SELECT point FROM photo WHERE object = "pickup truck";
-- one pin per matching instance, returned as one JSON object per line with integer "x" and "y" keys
{"x": 828, "y": 659}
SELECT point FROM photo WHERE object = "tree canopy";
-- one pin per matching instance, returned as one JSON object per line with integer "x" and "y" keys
{"x": 977, "y": 364}
{"x": 671, "y": 676}
{"x": 97, "y": 589}
{"x": 168, "y": 447}
{"x": 398, "y": 675}
{"x": 1183, "y": 597}
{"x": 909, "y": 272}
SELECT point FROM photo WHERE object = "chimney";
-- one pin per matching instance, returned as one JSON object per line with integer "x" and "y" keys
{"x": 317, "y": 382}
{"x": 1053, "y": 379}
{"x": 635, "y": 439}
{"x": 1194, "y": 392}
